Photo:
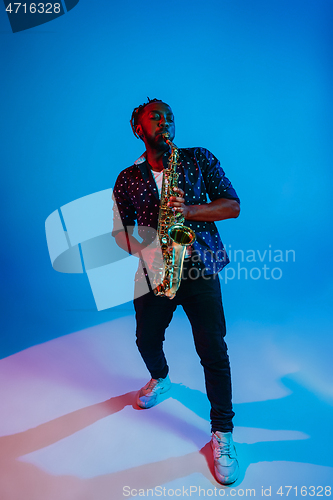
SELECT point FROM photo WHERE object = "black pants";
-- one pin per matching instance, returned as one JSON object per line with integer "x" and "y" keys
{"x": 202, "y": 302}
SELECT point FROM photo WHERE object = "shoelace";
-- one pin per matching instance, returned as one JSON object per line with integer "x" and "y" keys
{"x": 223, "y": 448}
{"x": 152, "y": 384}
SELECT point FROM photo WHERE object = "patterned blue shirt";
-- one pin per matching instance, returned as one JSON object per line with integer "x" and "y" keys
{"x": 202, "y": 179}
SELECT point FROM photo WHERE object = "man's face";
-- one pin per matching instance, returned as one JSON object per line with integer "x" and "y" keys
{"x": 156, "y": 119}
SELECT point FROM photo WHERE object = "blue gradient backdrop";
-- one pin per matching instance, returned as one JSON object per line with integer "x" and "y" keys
{"x": 249, "y": 80}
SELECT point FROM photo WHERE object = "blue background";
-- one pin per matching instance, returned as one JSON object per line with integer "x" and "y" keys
{"x": 251, "y": 81}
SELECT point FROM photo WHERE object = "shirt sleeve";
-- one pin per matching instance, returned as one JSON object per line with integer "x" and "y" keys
{"x": 124, "y": 214}
{"x": 216, "y": 182}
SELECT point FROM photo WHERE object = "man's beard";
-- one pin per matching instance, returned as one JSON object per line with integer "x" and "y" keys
{"x": 157, "y": 143}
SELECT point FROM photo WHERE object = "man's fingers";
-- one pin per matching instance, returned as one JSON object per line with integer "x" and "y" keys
{"x": 178, "y": 209}
{"x": 178, "y": 190}
{"x": 175, "y": 201}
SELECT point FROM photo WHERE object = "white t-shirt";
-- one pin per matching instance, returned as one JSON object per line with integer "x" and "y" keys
{"x": 158, "y": 179}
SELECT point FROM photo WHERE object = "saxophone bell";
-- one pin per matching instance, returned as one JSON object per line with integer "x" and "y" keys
{"x": 182, "y": 235}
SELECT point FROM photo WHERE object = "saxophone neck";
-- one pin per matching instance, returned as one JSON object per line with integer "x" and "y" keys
{"x": 173, "y": 158}
{"x": 166, "y": 137}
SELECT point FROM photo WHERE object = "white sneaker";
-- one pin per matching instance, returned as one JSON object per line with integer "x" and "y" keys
{"x": 147, "y": 396}
{"x": 225, "y": 457}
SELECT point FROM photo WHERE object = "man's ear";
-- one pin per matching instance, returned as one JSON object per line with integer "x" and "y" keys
{"x": 139, "y": 131}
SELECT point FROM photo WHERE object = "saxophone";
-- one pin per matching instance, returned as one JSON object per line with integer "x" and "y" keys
{"x": 174, "y": 237}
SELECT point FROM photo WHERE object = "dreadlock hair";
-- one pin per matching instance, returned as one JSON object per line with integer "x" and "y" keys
{"x": 137, "y": 112}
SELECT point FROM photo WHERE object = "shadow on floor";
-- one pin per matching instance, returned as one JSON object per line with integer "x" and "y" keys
{"x": 299, "y": 411}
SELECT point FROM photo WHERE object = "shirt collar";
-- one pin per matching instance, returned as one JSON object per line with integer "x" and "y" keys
{"x": 141, "y": 159}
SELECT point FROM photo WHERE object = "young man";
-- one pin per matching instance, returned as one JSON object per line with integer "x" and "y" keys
{"x": 137, "y": 192}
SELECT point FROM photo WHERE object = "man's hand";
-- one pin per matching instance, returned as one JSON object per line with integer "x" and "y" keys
{"x": 177, "y": 202}
{"x": 153, "y": 257}
{"x": 219, "y": 209}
